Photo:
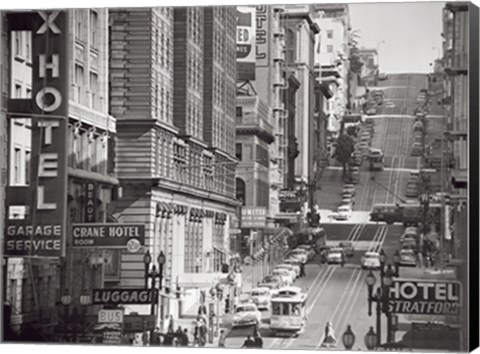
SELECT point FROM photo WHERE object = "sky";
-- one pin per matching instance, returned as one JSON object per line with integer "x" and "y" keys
{"x": 410, "y": 32}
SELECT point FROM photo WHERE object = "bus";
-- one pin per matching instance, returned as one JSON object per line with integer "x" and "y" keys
{"x": 314, "y": 236}
{"x": 406, "y": 213}
{"x": 289, "y": 313}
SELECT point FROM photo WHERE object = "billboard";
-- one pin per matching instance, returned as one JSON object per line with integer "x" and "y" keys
{"x": 429, "y": 297}
{"x": 131, "y": 236}
{"x": 245, "y": 43}
{"x": 43, "y": 232}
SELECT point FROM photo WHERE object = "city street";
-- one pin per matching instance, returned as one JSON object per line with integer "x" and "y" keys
{"x": 339, "y": 294}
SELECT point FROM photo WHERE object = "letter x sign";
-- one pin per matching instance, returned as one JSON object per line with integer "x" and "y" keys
{"x": 49, "y": 19}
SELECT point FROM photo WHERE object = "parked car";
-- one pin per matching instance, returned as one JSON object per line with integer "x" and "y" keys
{"x": 310, "y": 251}
{"x": 371, "y": 260}
{"x": 417, "y": 149}
{"x": 347, "y": 201}
{"x": 412, "y": 191}
{"x": 371, "y": 111}
{"x": 348, "y": 248}
{"x": 344, "y": 212}
{"x": 300, "y": 254}
{"x": 382, "y": 76}
{"x": 275, "y": 281}
{"x": 261, "y": 297}
{"x": 408, "y": 258}
{"x": 418, "y": 126}
{"x": 287, "y": 276}
{"x": 350, "y": 190}
{"x": 246, "y": 314}
{"x": 409, "y": 244}
{"x": 292, "y": 268}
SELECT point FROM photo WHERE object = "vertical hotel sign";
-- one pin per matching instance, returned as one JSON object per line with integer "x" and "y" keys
{"x": 246, "y": 23}
{"x": 263, "y": 32}
{"x": 43, "y": 233}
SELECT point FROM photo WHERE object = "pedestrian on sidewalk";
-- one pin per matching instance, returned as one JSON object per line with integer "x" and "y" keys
{"x": 302, "y": 270}
{"x": 184, "y": 338}
{"x": 221, "y": 340}
{"x": 258, "y": 341}
{"x": 227, "y": 304}
{"x": 156, "y": 340}
{"x": 249, "y": 343}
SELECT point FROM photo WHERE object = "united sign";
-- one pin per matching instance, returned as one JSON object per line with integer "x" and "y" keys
{"x": 425, "y": 297}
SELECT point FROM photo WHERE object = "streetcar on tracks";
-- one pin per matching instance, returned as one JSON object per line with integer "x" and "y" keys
{"x": 289, "y": 311}
{"x": 409, "y": 214}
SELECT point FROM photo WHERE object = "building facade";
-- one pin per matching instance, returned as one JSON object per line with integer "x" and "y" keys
{"x": 456, "y": 53}
{"x": 301, "y": 31}
{"x": 34, "y": 286}
{"x": 176, "y": 161}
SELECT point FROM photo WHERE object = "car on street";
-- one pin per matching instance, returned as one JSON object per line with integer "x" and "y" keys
{"x": 409, "y": 244}
{"x": 344, "y": 212}
{"x": 246, "y": 315}
{"x": 348, "y": 248}
{"x": 287, "y": 276}
{"x": 375, "y": 152}
{"x": 294, "y": 262}
{"x": 347, "y": 202}
{"x": 371, "y": 111}
{"x": 350, "y": 190}
{"x": 274, "y": 282}
{"x": 418, "y": 126}
{"x": 310, "y": 251}
{"x": 335, "y": 256}
{"x": 370, "y": 260}
{"x": 382, "y": 76}
{"x": 362, "y": 146}
{"x": 408, "y": 258}
{"x": 347, "y": 194}
{"x": 261, "y": 297}
{"x": 417, "y": 149}
{"x": 289, "y": 267}
{"x": 300, "y": 254}
{"x": 411, "y": 191}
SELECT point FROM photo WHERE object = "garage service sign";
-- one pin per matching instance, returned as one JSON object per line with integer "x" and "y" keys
{"x": 108, "y": 235}
{"x": 425, "y": 297}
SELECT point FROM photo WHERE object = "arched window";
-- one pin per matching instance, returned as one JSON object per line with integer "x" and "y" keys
{"x": 240, "y": 194}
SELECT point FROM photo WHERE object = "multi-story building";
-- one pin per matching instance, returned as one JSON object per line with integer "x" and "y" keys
{"x": 34, "y": 286}
{"x": 175, "y": 143}
{"x": 457, "y": 49}
{"x": 331, "y": 59}
{"x": 369, "y": 57}
{"x": 301, "y": 30}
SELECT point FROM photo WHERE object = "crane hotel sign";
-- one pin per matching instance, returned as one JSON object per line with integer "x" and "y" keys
{"x": 43, "y": 231}
{"x": 425, "y": 297}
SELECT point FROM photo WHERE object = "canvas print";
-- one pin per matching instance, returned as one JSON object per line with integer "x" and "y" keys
{"x": 257, "y": 176}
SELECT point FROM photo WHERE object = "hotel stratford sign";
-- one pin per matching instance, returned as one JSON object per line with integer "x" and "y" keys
{"x": 45, "y": 234}
{"x": 425, "y": 297}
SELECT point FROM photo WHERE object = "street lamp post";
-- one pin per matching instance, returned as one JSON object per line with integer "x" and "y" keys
{"x": 154, "y": 274}
{"x": 371, "y": 341}
{"x": 348, "y": 338}
{"x": 381, "y": 296}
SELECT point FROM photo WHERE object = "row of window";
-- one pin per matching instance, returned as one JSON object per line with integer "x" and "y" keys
{"x": 194, "y": 70}
{"x": 163, "y": 98}
{"x": 90, "y": 17}
{"x": 87, "y": 150}
{"x": 163, "y": 47}
{"x": 195, "y": 24}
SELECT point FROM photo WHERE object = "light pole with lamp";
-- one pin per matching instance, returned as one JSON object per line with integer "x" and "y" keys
{"x": 381, "y": 296}
{"x": 70, "y": 318}
{"x": 153, "y": 274}
{"x": 371, "y": 341}
{"x": 348, "y": 338}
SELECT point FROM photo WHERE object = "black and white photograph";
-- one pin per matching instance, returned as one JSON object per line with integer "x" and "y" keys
{"x": 268, "y": 176}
